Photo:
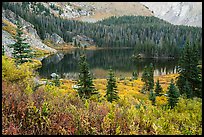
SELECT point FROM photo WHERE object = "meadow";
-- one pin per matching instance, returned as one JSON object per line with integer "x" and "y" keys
{"x": 51, "y": 110}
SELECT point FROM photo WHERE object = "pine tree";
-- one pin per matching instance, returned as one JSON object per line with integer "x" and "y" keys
{"x": 189, "y": 71}
{"x": 148, "y": 77}
{"x": 85, "y": 83}
{"x": 152, "y": 97}
{"x": 187, "y": 89}
{"x": 145, "y": 76}
{"x": 111, "y": 91}
{"x": 22, "y": 52}
{"x": 158, "y": 89}
{"x": 151, "y": 78}
{"x": 173, "y": 95}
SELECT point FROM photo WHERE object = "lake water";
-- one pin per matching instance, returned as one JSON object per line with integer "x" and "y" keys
{"x": 66, "y": 64}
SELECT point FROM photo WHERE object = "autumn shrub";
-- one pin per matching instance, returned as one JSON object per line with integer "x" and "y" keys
{"x": 22, "y": 74}
{"x": 161, "y": 100}
{"x": 14, "y": 103}
{"x": 52, "y": 110}
{"x": 20, "y": 112}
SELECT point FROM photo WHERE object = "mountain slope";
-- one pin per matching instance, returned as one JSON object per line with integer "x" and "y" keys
{"x": 94, "y": 11}
{"x": 178, "y": 13}
{"x": 104, "y": 10}
{"x": 8, "y": 31}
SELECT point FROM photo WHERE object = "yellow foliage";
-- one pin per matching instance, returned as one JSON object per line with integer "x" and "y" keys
{"x": 125, "y": 87}
{"x": 50, "y": 88}
{"x": 131, "y": 114}
{"x": 35, "y": 64}
{"x": 165, "y": 80}
{"x": 161, "y": 100}
{"x": 12, "y": 73}
{"x": 21, "y": 74}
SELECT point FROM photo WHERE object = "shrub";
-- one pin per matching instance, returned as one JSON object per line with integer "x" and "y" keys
{"x": 22, "y": 74}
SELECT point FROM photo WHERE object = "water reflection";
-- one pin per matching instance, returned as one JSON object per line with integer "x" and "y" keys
{"x": 66, "y": 64}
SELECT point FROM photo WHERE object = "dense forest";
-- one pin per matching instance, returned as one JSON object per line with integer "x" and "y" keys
{"x": 148, "y": 35}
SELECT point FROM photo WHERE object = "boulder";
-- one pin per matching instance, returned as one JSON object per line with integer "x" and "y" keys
{"x": 54, "y": 75}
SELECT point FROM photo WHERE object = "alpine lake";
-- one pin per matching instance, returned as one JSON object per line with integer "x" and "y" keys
{"x": 65, "y": 64}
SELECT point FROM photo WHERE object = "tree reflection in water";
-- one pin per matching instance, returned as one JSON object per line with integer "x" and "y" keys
{"x": 66, "y": 64}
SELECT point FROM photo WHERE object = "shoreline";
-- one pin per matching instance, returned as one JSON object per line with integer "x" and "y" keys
{"x": 69, "y": 47}
{"x": 118, "y": 78}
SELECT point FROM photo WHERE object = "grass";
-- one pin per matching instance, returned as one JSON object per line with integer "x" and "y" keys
{"x": 126, "y": 87}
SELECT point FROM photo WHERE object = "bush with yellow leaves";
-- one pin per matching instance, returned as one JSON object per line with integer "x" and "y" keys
{"x": 22, "y": 74}
{"x": 161, "y": 100}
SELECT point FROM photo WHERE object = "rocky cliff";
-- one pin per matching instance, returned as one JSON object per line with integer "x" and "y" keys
{"x": 8, "y": 25}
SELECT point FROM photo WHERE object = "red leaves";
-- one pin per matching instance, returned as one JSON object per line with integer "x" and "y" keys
{"x": 12, "y": 129}
{"x": 71, "y": 130}
{"x": 12, "y": 106}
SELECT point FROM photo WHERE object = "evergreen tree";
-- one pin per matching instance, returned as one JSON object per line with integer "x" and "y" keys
{"x": 151, "y": 77}
{"x": 158, "y": 89}
{"x": 145, "y": 76}
{"x": 189, "y": 71}
{"x": 173, "y": 95}
{"x": 22, "y": 52}
{"x": 187, "y": 89}
{"x": 111, "y": 91}
{"x": 152, "y": 97}
{"x": 85, "y": 83}
{"x": 148, "y": 77}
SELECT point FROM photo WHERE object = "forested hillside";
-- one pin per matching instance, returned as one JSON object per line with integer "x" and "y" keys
{"x": 149, "y": 35}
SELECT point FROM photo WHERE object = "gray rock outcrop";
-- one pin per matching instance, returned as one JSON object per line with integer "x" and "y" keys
{"x": 7, "y": 40}
{"x": 55, "y": 58}
{"x": 55, "y": 38}
{"x": 29, "y": 32}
